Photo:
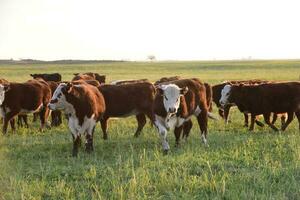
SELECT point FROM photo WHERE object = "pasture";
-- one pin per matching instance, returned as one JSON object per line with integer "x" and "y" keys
{"x": 236, "y": 165}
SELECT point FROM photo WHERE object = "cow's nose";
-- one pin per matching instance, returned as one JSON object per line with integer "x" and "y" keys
{"x": 172, "y": 110}
{"x": 221, "y": 103}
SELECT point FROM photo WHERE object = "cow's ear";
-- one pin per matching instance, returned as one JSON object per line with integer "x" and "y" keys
{"x": 159, "y": 90}
{"x": 184, "y": 90}
{"x": 103, "y": 78}
{"x": 69, "y": 87}
{"x": 6, "y": 88}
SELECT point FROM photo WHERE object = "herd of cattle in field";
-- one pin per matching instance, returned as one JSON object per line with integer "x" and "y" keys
{"x": 169, "y": 103}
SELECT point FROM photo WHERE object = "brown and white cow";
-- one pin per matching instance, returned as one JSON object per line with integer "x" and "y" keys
{"x": 175, "y": 103}
{"x": 127, "y": 100}
{"x": 265, "y": 99}
{"x": 89, "y": 76}
{"x": 187, "y": 126}
{"x": 22, "y": 98}
{"x": 84, "y": 105}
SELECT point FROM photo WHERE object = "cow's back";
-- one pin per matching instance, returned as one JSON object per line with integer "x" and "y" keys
{"x": 281, "y": 97}
{"x": 127, "y": 98}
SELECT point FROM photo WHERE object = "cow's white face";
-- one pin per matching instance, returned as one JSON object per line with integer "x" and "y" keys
{"x": 225, "y": 93}
{"x": 58, "y": 100}
{"x": 3, "y": 89}
{"x": 171, "y": 97}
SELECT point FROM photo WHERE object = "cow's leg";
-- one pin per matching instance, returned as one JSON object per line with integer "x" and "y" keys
{"x": 19, "y": 121}
{"x": 151, "y": 116}
{"x": 163, "y": 135}
{"x": 76, "y": 144}
{"x": 177, "y": 133}
{"x": 12, "y": 125}
{"x": 221, "y": 113}
{"x": 56, "y": 119}
{"x": 141, "y": 119}
{"x": 253, "y": 117}
{"x": 226, "y": 113}
{"x": 258, "y": 122}
{"x": 267, "y": 120}
{"x": 35, "y": 116}
{"x": 187, "y": 126}
{"x": 59, "y": 118}
{"x": 25, "y": 119}
{"x": 44, "y": 114}
{"x": 288, "y": 121}
{"x": 8, "y": 116}
{"x": 298, "y": 117}
{"x": 53, "y": 118}
{"x": 103, "y": 123}
{"x": 283, "y": 118}
{"x": 274, "y": 118}
{"x": 89, "y": 139}
{"x": 202, "y": 121}
{"x": 246, "y": 119}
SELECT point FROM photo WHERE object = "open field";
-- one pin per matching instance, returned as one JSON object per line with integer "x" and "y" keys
{"x": 236, "y": 165}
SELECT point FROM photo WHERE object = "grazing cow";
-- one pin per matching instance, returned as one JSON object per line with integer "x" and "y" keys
{"x": 127, "y": 100}
{"x": 121, "y": 82}
{"x": 56, "y": 77}
{"x": 84, "y": 105}
{"x": 175, "y": 103}
{"x": 89, "y": 76}
{"x": 224, "y": 112}
{"x": 265, "y": 99}
{"x": 21, "y": 98}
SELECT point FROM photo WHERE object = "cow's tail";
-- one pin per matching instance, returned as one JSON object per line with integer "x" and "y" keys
{"x": 208, "y": 96}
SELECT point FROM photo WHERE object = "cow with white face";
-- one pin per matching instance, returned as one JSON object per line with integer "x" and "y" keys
{"x": 225, "y": 94}
{"x": 3, "y": 89}
{"x": 84, "y": 105}
{"x": 171, "y": 98}
{"x": 175, "y": 103}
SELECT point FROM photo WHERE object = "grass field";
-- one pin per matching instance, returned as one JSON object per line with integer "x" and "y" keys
{"x": 236, "y": 165}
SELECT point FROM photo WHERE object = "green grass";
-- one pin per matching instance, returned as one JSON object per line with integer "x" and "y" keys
{"x": 236, "y": 165}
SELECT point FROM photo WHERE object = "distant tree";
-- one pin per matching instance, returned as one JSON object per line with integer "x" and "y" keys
{"x": 151, "y": 58}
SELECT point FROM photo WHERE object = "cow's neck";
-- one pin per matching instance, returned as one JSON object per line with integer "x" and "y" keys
{"x": 69, "y": 109}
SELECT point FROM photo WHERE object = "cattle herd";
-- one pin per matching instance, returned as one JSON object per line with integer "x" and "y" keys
{"x": 169, "y": 103}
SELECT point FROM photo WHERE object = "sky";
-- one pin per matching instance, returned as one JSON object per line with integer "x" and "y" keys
{"x": 135, "y": 29}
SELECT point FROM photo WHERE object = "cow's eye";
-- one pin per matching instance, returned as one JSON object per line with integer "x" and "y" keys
{"x": 166, "y": 98}
{"x": 177, "y": 100}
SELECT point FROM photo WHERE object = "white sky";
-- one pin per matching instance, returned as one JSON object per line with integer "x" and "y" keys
{"x": 133, "y": 29}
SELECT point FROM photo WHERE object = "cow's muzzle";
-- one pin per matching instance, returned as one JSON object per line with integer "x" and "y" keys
{"x": 51, "y": 106}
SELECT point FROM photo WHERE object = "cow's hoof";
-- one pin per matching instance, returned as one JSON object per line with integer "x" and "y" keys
{"x": 166, "y": 151}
